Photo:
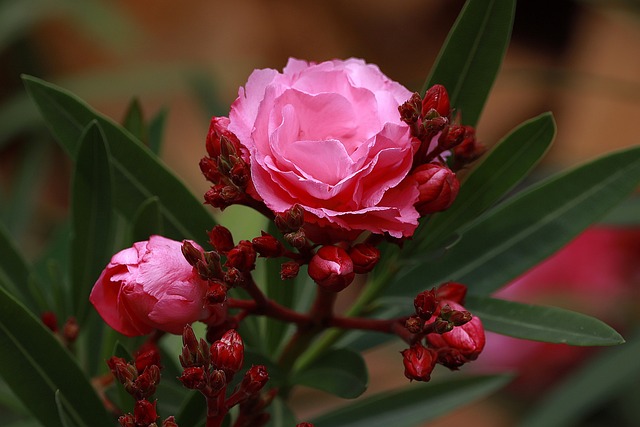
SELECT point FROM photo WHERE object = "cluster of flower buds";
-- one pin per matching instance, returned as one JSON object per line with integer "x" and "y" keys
{"x": 225, "y": 166}
{"x": 444, "y": 332}
{"x": 211, "y": 368}
{"x": 69, "y": 332}
{"x": 140, "y": 379}
{"x": 443, "y": 148}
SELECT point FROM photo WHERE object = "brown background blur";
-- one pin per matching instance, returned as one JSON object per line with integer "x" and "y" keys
{"x": 579, "y": 59}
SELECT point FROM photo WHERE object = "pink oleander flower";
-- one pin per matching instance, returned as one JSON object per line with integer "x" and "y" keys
{"x": 151, "y": 286}
{"x": 329, "y": 137}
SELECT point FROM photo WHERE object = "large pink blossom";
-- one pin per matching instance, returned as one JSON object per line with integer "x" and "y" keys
{"x": 150, "y": 286}
{"x": 329, "y": 137}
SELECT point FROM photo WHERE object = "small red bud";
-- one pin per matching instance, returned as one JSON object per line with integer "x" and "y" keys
{"x": 291, "y": 219}
{"x": 144, "y": 412}
{"x": 468, "y": 339}
{"x": 192, "y": 254}
{"x": 147, "y": 355}
{"x": 419, "y": 362}
{"x": 209, "y": 169}
{"x": 233, "y": 277}
{"x": 217, "y": 381}
{"x": 170, "y": 422}
{"x": 146, "y": 383}
{"x": 242, "y": 256}
{"x": 127, "y": 420}
{"x": 297, "y": 239}
{"x": 120, "y": 369}
{"x": 410, "y": 110}
{"x": 217, "y": 292}
{"x": 468, "y": 150}
{"x": 426, "y": 303}
{"x": 438, "y": 187}
{"x": 414, "y": 324}
{"x": 305, "y": 425}
{"x": 289, "y": 270}
{"x": 255, "y": 378}
{"x": 221, "y": 239}
{"x": 267, "y": 246}
{"x": 452, "y": 291}
{"x": 365, "y": 257}
{"x": 50, "y": 320}
{"x": 451, "y": 137}
{"x": 227, "y": 354}
{"x": 194, "y": 378}
{"x": 332, "y": 268}
{"x": 436, "y": 98}
{"x": 70, "y": 330}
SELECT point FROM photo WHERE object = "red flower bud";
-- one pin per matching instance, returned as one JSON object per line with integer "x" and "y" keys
{"x": 289, "y": 270}
{"x": 267, "y": 246}
{"x": 468, "y": 339}
{"x": 332, "y": 268}
{"x": 127, "y": 420}
{"x": 227, "y": 353}
{"x": 217, "y": 292}
{"x": 364, "y": 256}
{"x": 437, "y": 99}
{"x": 242, "y": 256}
{"x": 209, "y": 169}
{"x": 120, "y": 369}
{"x": 452, "y": 136}
{"x": 192, "y": 254}
{"x": 221, "y": 239}
{"x": 452, "y": 291}
{"x": 426, "y": 304}
{"x": 145, "y": 412}
{"x": 170, "y": 422}
{"x": 291, "y": 219}
{"x": 70, "y": 330}
{"x": 438, "y": 187}
{"x": 304, "y": 425}
{"x": 414, "y": 324}
{"x": 146, "y": 383}
{"x": 410, "y": 110}
{"x": 255, "y": 378}
{"x": 419, "y": 362}
{"x": 147, "y": 355}
{"x": 451, "y": 358}
{"x": 50, "y": 320}
{"x": 194, "y": 378}
{"x": 468, "y": 150}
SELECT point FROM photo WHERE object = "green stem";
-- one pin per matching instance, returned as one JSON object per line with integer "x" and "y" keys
{"x": 368, "y": 295}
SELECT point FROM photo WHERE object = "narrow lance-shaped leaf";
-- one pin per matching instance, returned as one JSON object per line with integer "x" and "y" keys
{"x": 14, "y": 270}
{"x": 601, "y": 378}
{"x": 529, "y": 227}
{"x": 503, "y": 167}
{"x": 134, "y": 121}
{"x": 540, "y": 323}
{"x": 340, "y": 371}
{"x": 147, "y": 221}
{"x": 91, "y": 215}
{"x": 35, "y": 365}
{"x": 471, "y": 56}
{"x": 137, "y": 172}
{"x": 413, "y": 405}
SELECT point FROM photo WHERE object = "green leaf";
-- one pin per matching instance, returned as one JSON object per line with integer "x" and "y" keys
{"x": 340, "y": 371}
{"x": 192, "y": 411}
{"x": 35, "y": 365}
{"x": 14, "y": 270}
{"x": 137, "y": 173}
{"x": 503, "y": 167}
{"x": 134, "y": 121}
{"x": 156, "y": 131}
{"x": 471, "y": 56}
{"x": 529, "y": 227}
{"x": 539, "y": 323}
{"x": 65, "y": 419}
{"x": 281, "y": 291}
{"x": 412, "y": 405}
{"x": 147, "y": 220}
{"x": 91, "y": 216}
{"x": 588, "y": 388}
{"x": 281, "y": 415}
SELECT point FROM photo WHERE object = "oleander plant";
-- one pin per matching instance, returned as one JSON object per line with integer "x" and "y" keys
{"x": 157, "y": 316}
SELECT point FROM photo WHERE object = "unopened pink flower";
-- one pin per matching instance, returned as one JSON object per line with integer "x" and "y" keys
{"x": 150, "y": 286}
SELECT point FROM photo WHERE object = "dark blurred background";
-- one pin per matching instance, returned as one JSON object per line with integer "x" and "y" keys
{"x": 579, "y": 59}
